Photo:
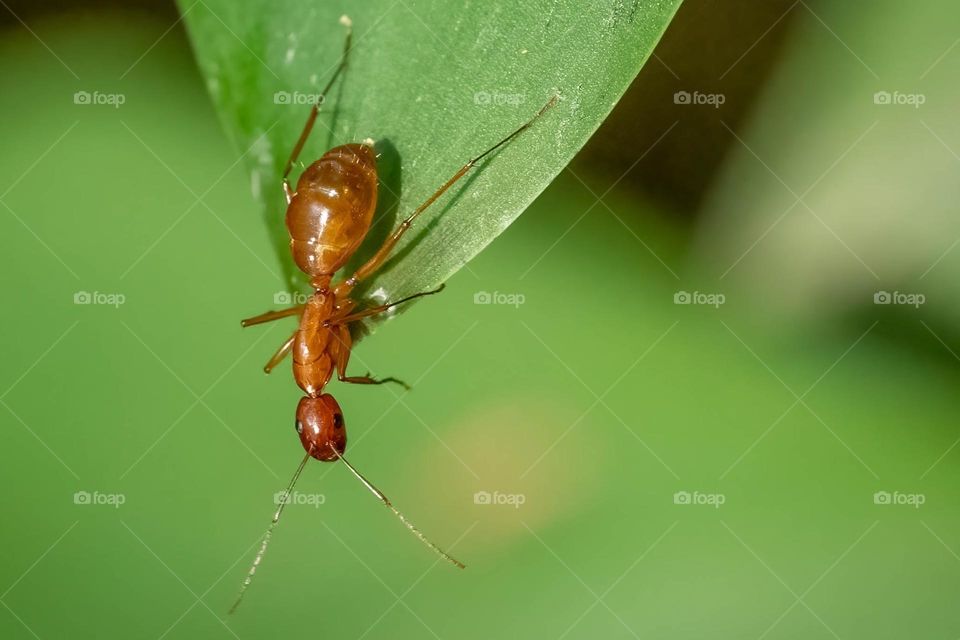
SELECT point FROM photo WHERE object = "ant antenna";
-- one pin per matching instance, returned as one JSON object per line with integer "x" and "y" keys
{"x": 285, "y": 497}
{"x": 386, "y": 501}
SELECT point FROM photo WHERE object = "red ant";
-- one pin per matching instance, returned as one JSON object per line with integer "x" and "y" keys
{"x": 328, "y": 217}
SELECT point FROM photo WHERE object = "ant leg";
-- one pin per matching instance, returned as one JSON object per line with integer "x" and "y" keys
{"x": 315, "y": 109}
{"x": 343, "y": 356}
{"x": 374, "y": 263}
{"x": 372, "y": 311}
{"x": 270, "y": 316}
{"x": 281, "y": 353}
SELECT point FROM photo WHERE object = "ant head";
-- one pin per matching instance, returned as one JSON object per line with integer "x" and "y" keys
{"x": 321, "y": 428}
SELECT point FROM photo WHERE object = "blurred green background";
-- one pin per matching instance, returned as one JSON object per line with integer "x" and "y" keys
{"x": 782, "y": 465}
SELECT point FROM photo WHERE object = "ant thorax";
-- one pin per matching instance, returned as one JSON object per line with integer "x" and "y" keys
{"x": 314, "y": 346}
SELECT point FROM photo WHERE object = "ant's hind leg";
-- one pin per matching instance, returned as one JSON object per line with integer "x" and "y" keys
{"x": 315, "y": 110}
{"x": 383, "y": 253}
{"x": 270, "y": 316}
{"x": 343, "y": 357}
{"x": 281, "y": 353}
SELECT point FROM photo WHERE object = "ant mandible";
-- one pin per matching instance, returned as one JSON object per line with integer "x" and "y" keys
{"x": 327, "y": 218}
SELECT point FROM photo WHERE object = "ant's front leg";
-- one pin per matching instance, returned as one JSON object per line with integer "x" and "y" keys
{"x": 343, "y": 346}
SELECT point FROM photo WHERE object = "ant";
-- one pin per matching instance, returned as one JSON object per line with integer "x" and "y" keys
{"x": 328, "y": 216}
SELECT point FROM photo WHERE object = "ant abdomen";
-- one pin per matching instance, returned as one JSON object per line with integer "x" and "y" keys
{"x": 332, "y": 209}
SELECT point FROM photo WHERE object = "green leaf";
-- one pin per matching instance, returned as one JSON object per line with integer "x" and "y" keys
{"x": 434, "y": 83}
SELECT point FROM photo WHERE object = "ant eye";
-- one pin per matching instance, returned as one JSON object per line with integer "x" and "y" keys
{"x": 337, "y": 420}
{"x": 299, "y": 426}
